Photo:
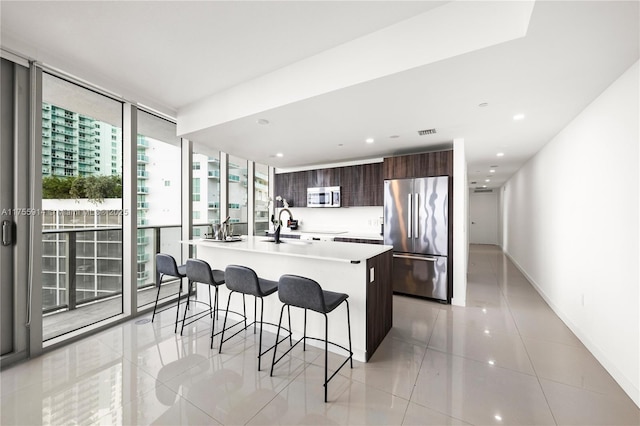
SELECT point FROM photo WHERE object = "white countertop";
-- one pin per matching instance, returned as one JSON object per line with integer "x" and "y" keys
{"x": 325, "y": 250}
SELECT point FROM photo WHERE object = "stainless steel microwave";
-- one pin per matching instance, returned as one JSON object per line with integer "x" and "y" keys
{"x": 323, "y": 197}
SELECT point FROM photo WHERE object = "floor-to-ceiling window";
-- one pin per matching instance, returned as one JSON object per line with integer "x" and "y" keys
{"x": 82, "y": 206}
{"x": 261, "y": 197}
{"x": 238, "y": 195}
{"x": 159, "y": 178}
{"x": 205, "y": 191}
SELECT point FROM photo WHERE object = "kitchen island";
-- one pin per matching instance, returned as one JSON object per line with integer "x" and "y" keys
{"x": 363, "y": 271}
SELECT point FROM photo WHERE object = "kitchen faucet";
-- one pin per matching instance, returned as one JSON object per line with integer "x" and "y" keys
{"x": 276, "y": 236}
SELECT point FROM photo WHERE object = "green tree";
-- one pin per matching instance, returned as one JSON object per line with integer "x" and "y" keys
{"x": 78, "y": 187}
{"x": 97, "y": 188}
{"x": 57, "y": 187}
{"x": 94, "y": 188}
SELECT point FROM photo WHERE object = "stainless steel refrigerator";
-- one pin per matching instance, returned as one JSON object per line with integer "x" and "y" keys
{"x": 416, "y": 224}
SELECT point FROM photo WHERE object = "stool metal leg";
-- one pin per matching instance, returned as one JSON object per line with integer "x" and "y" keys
{"x": 255, "y": 306}
{"x": 260, "y": 338}
{"x": 326, "y": 354}
{"x": 157, "y": 296}
{"x": 184, "y": 316}
{"x": 210, "y": 305}
{"x": 215, "y": 304}
{"x": 290, "y": 329}
{"x": 304, "y": 332}
{"x": 275, "y": 348}
{"x": 224, "y": 325}
{"x": 349, "y": 330}
{"x": 244, "y": 310}
{"x": 175, "y": 328}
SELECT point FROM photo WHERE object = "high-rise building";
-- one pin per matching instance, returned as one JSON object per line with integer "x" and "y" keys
{"x": 77, "y": 145}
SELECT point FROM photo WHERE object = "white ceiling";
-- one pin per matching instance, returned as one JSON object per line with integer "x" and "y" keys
{"x": 172, "y": 55}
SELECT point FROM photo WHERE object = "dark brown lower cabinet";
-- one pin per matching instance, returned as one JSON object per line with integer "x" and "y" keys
{"x": 379, "y": 300}
{"x": 356, "y": 240}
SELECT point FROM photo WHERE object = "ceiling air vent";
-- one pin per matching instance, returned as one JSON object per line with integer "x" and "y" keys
{"x": 427, "y": 132}
{"x": 477, "y": 190}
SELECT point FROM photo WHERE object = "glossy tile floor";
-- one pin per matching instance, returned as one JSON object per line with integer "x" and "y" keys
{"x": 504, "y": 359}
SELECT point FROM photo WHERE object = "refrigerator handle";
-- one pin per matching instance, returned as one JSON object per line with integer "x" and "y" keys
{"x": 416, "y": 216}
{"x": 409, "y": 218}
{"x": 424, "y": 259}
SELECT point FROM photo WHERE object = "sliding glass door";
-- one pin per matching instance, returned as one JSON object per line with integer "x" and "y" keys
{"x": 82, "y": 207}
{"x": 20, "y": 325}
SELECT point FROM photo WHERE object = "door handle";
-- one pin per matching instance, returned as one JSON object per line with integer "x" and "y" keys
{"x": 409, "y": 218}
{"x": 416, "y": 216}
{"x": 7, "y": 233}
{"x": 424, "y": 259}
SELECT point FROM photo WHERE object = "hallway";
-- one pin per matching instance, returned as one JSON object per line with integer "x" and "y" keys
{"x": 506, "y": 358}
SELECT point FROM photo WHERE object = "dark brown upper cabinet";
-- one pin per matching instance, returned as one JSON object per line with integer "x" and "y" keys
{"x": 439, "y": 163}
{"x": 361, "y": 185}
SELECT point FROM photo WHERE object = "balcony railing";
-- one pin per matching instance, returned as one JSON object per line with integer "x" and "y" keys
{"x": 73, "y": 277}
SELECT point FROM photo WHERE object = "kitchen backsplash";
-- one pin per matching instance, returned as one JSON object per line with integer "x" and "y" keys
{"x": 361, "y": 220}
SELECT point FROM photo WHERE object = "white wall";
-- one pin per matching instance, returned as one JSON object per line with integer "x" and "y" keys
{"x": 460, "y": 220}
{"x": 363, "y": 221}
{"x": 570, "y": 221}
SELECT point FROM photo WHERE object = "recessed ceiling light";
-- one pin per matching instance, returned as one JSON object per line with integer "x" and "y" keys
{"x": 492, "y": 362}
{"x": 492, "y": 171}
{"x": 500, "y": 154}
{"x": 498, "y": 417}
{"x": 263, "y": 121}
{"x": 369, "y": 140}
{"x": 484, "y": 104}
{"x": 518, "y": 116}
{"x": 484, "y": 186}
{"x": 279, "y": 154}
{"x": 487, "y": 180}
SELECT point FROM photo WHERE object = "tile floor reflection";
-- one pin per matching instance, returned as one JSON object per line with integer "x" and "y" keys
{"x": 504, "y": 359}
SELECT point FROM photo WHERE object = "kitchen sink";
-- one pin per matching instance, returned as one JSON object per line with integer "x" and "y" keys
{"x": 288, "y": 241}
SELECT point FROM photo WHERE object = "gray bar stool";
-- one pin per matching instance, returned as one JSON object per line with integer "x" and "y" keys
{"x": 306, "y": 293}
{"x": 166, "y": 265}
{"x": 199, "y": 271}
{"x": 240, "y": 279}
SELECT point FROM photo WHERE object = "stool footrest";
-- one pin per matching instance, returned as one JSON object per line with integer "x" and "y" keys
{"x": 319, "y": 340}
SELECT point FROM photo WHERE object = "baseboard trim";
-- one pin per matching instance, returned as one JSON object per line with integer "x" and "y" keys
{"x": 632, "y": 391}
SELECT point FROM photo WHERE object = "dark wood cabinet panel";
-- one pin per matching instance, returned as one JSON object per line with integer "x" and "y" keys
{"x": 356, "y": 240}
{"x": 433, "y": 164}
{"x": 361, "y": 185}
{"x": 379, "y": 300}
{"x": 398, "y": 167}
{"x": 439, "y": 163}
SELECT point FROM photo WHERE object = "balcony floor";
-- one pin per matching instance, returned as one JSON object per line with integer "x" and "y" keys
{"x": 59, "y": 323}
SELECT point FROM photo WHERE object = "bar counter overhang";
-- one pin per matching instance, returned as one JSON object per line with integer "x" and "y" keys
{"x": 361, "y": 270}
